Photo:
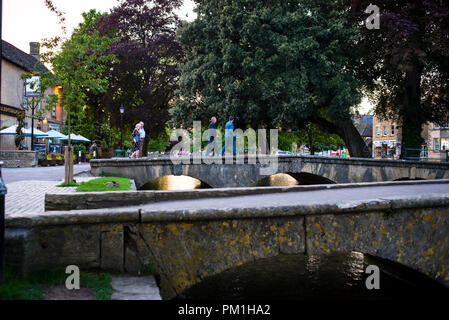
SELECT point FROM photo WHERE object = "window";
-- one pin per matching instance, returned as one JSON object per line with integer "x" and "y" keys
{"x": 392, "y": 131}
{"x": 444, "y": 143}
{"x": 436, "y": 144}
{"x": 53, "y": 112}
{"x": 384, "y": 131}
{"x": 377, "y": 132}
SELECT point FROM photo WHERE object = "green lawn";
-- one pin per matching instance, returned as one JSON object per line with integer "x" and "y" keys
{"x": 98, "y": 185}
{"x": 32, "y": 286}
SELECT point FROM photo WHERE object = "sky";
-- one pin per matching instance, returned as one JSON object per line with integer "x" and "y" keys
{"x": 26, "y": 21}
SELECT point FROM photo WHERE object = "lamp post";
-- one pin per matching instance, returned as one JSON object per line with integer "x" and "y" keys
{"x": 122, "y": 111}
{"x": 32, "y": 123}
{"x": 2, "y": 226}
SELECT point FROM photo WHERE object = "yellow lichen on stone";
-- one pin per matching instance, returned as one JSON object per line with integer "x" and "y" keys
{"x": 426, "y": 217}
{"x": 428, "y": 252}
{"x": 173, "y": 228}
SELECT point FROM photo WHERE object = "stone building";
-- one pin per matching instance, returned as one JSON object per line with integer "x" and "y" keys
{"x": 438, "y": 141}
{"x": 15, "y": 63}
{"x": 386, "y": 139}
{"x": 364, "y": 124}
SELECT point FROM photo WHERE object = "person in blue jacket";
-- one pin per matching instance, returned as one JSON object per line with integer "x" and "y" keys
{"x": 229, "y": 136}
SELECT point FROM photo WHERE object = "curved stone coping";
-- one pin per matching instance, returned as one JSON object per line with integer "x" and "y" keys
{"x": 141, "y": 215}
{"x": 340, "y": 207}
{"x": 75, "y": 217}
{"x": 116, "y": 162}
{"x": 98, "y": 200}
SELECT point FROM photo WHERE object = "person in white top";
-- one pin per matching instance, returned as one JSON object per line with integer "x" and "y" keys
{"x": 142, "y": 138}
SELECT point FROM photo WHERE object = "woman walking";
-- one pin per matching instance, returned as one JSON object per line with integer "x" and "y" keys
{"x": 136, "y": 142}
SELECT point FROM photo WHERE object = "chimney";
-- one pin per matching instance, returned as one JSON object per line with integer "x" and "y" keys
{"x": 34, "y": 49}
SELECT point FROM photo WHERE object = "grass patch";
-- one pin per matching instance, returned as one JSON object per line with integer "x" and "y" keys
{"x": 71, "y": 184}
{"x": 98, "y": 185}
{"x": 31, "y": 287}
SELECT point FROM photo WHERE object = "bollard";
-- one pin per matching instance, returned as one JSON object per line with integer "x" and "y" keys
{"x": 2, "y": 226}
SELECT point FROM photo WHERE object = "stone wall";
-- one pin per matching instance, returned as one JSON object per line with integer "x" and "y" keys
{"x": 186, "y": 246}
{"x": 18, "y": 158}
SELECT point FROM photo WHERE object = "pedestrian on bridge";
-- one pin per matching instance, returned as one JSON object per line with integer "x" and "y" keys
{"x": 229, "y": 136}
{"x": 212, "y": 135}
{"x": 142, "y": 138}
{"x": 136, "y": 142}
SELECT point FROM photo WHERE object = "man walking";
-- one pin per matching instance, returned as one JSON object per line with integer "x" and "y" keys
{"x": 212, "y": 134}
{"x": 229, "y": 136}
{"x": 142, "y": 138}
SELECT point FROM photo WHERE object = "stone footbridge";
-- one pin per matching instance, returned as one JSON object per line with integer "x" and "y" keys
{"x": 307, "y": 170}
{"x": 187, "y": 241}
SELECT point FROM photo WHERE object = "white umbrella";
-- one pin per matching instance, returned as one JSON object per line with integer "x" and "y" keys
{"x": 27, "y": 132}
{"x": 53, "y": 134}
{"x": 76, "y": 138}
{"x": 81, "y": 138}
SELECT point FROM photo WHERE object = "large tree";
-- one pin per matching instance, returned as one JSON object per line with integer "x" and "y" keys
{"x": 271, "y": 63}
{"x": 79, "y": 65}
{"x": 145, "y": 75}
{"x": 405, "y": 63}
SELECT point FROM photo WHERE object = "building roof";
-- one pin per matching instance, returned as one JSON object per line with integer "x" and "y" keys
{"x": 365, "y": 130}
{"x": 20, "y": 58}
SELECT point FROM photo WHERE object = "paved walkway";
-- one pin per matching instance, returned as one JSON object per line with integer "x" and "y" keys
{"x": 302, "y": 197}
{"x": 54, "y": 173}
{"x": 134, "y": 288}
{"x": 29, "y": 197}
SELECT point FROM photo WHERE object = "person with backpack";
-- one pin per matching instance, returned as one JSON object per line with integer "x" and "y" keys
{"x": 136, "y": 142}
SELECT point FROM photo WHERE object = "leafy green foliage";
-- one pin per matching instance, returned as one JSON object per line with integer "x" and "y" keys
{"x": 98, "y": 185}
{"x": 404, "y": 65}
{"x": 270, "y": 64}
{"x": 31, "y": 287}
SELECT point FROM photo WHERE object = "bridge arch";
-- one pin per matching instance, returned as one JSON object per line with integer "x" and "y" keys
{"x": 172, "y": 182}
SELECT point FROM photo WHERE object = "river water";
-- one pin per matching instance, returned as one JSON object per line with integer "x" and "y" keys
{"x": 298, "y": 276}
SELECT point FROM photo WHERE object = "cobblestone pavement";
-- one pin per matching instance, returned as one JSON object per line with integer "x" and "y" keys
{"x": 28, "y": 197}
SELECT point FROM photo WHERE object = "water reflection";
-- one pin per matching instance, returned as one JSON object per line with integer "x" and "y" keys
{"x": 300, "y": 276}
{"x": 174, "y": 183}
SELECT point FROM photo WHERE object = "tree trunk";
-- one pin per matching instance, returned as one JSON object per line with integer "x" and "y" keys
{"x": 97, "y": 129}
{"x": 350, "y": 135}
{"x": 411, "y": 113}
{"x": 310, "y": 138}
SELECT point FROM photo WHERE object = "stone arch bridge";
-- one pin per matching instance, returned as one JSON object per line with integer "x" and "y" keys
{"x": 189, "y": 244}
{"x": 306, "y": 169}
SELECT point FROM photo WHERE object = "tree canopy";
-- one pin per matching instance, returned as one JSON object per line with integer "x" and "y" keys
{"x": 404, "y": 64}
{"x": 145, "y": 75}
{"x": 271, "y": 63}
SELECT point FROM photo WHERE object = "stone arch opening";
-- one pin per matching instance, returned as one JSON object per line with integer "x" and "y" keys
{"x": 330, "y": 275}
{"x": 279, "y": 179}
{"x": 292, "y": 179}
{"x": 306, "y": 178}
{"x": 172, "y": 182}
{"x": 409, "y": 179}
